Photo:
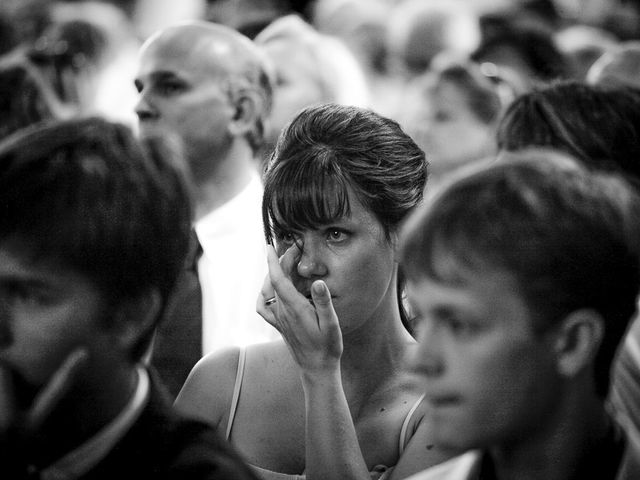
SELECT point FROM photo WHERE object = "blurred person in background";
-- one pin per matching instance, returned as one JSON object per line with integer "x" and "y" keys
{"x": 250, "y": 17}
{"x": 618, "y": 67}
{"x": 310, "y": 68}
{"x": 362, "y": 26}
{"x": 22, "y": 22}
{"x": 26, "y": 96}
{"x": 84, "y": 49}
{"x": 598, "y": 125}
{"x": 417, "y": 31}
{"x": 452, "y": 111}
{"x": 94, "y": 45}
{"x": 582, "y": 45}
{"x": 211, "y": 88}
{"x": 620, "y": 17}
{"x": 527, "y": 47}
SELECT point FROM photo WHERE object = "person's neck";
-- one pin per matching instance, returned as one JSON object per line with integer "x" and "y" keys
{"x": 230, "y": 176}
{"x": 83, "y": 413}
{"x": 558, "y": 449}
{"x": 376, "y": 350}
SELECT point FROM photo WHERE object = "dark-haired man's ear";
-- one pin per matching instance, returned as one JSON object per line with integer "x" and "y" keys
{"x": 578, "y": 340}
{"x": 135, "y": 318}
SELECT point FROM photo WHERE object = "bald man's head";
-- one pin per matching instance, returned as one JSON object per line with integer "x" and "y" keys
{"x": 197, "y": 79}
{"x": 217, "y": 48}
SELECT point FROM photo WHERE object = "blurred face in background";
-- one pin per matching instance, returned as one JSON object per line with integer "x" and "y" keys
{"x": 181, "y": 81}
{"x": 589, "y": 11}
{"x": 298, "y": 83}
{"x": 442, "y": 122}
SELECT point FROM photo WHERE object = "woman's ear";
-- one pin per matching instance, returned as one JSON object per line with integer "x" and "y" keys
{"x": 135, "y": 318}
{"x": 578, "y": 340}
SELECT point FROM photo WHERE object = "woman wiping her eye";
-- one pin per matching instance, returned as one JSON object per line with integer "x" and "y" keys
{"x": 332, "y": 400}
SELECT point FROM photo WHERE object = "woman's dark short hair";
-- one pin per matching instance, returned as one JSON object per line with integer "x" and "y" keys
{"x": 569, "y": 237}
{"x": 330, "y": 148}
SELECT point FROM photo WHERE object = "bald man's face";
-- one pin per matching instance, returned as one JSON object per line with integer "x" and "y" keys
{"x": 182, "y": 86}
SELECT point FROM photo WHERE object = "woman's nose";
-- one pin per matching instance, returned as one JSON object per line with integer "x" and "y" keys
{"x": 311, "y": 263}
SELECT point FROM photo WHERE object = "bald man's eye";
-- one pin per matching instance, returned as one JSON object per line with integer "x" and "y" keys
{"x": 170, "y": 87}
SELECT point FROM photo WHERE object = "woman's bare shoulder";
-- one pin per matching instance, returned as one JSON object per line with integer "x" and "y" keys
{"x": 421, "y": 451}
{"x": 269, "y": 355}
{"x": 209, "y": 387}
{"x": 208, "y": 390}
{"x": 269, "y": 371}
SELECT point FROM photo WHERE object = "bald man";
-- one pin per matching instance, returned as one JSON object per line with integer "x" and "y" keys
{"x": 209, "y": 86}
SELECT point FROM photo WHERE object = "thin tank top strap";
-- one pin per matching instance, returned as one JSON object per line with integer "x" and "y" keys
{"x": 264, "y": 474}
{"x": 242, "y": 354}
{"x": 405, "y": 425}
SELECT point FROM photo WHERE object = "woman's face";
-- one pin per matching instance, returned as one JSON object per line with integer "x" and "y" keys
{"x": 444, "y": 126}
{"x": 353, "y": 257}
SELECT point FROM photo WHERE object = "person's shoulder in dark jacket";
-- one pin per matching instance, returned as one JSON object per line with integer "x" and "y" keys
{"x": 164, "y": 444}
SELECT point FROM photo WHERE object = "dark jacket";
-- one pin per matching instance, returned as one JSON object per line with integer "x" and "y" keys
{"x": 161, "y": 444}
{"x": 177, "y": 344}
{"x": 165, "y": 445}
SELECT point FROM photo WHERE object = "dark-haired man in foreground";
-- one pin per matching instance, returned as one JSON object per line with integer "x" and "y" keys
{"x": 93, "y": 233}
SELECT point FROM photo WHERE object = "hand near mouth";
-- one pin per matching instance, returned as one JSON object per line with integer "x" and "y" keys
{"x": 310, "y": 329}
{"x": 18, "y": 427}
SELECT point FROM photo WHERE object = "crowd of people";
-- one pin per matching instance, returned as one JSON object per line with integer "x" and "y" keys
{"x": 323, "y": 239}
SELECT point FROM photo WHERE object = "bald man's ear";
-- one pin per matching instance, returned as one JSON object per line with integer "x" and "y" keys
{"x": 578, "y": 340}
{"x": 248, "y": 108}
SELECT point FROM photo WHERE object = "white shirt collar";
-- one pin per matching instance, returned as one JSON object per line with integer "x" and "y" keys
{"x": 230, "y": 216}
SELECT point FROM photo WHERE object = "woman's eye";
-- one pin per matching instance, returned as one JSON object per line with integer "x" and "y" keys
{"x": 336, "y": 235}
{"x": 287, "y": 238}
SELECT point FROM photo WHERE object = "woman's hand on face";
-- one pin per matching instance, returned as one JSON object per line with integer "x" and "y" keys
{"x": 311, "y": 330}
